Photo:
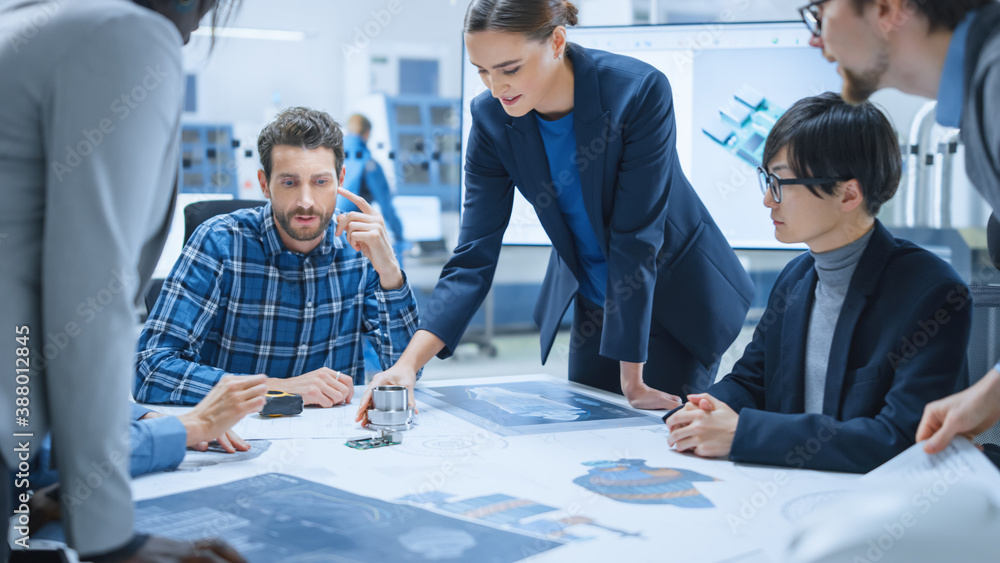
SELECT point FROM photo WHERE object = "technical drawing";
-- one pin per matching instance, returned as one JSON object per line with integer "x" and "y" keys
{"x": 519, "y": 514}
{"x": 630, "y": 480}
{"x": 277, "y": 518}
{"x": 194, "y": 460}
{"x": 531, "y": 407}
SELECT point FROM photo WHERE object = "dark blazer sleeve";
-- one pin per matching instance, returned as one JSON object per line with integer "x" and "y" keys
{"x": 860, "y": 444}
{"x": 637, "y": 221}
{"x": 743, "y": 388}
{"x": 466, "y": 278}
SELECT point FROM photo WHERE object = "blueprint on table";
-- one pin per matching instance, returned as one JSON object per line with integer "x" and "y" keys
{"x": 281, "y": 518}
{"x": 632, "y": 481}
{"x": 530, "y": 407}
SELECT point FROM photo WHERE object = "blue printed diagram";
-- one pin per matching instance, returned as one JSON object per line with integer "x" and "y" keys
{"x": 744, "y": 124}
{"x": 630, "y": 480}
{"x": 280, "y": 518}
{"x": 517, "y": 514}
{"x": 531, "y": 407}
{"x": 525, "y": 404}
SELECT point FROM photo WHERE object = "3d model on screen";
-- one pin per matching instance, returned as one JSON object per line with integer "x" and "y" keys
{"x": 744, "y": 123}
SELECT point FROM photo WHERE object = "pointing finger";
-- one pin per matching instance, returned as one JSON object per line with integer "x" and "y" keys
{"x": 357, "y": 200}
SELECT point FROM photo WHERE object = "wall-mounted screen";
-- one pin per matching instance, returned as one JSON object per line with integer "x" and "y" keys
{"x": 730, "y": 83}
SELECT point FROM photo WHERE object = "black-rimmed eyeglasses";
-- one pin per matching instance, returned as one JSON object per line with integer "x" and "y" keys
{"x": 774, "y": 183}
{"x": 812, "y": 16}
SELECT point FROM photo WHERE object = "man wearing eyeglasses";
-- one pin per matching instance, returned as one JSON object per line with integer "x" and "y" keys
{"x": 947, "y": 50}
{"x": 858, "y": 334}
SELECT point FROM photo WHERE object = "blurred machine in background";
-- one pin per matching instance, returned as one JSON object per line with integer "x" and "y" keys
{"x": 208, "y": 160}
{"x": 417, "y": 141}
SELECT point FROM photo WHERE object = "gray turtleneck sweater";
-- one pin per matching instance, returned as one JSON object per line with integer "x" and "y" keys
{"x": 835, "y": 270}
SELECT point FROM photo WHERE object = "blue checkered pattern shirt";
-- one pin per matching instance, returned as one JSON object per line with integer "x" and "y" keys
{"x": 238, "y": 302}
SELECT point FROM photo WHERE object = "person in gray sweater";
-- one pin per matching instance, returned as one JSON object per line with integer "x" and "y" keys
{"x": 948, "y": 50}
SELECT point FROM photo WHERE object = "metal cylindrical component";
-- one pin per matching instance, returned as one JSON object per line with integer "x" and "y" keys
{"x": 380, "y": 418}
{"x": 391, "y": 398}
{"x": 390, "y": 411}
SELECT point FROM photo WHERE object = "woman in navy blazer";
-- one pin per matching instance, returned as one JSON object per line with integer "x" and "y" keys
{"x": 653, "y": 278}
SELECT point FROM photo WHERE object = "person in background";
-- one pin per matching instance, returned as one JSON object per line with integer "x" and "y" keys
{"x": 363, "y": 177}
{"x": 948, "y": 50}
{"x": 859, "y": 333}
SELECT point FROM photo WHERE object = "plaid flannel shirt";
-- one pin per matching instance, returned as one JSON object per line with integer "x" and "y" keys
{"x": 238, "y": 302}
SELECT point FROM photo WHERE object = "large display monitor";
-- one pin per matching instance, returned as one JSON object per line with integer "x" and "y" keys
{"x": 730, "y": 83}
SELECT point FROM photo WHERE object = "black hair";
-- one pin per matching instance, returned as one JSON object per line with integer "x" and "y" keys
{"x": 827, "y": 137}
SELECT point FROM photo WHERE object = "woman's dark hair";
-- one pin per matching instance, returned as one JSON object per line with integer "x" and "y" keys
{"x": 534, "y": 18}
{"x": 223, "y": 11}
{"x": 827, "y": 137}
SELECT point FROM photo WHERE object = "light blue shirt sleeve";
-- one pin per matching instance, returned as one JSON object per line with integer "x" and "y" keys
{"x": 157, "y": 444}
{"x": 139, "y": 411}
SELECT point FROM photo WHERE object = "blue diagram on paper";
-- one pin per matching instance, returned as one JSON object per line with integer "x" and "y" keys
{"x": 531, "y": 407}
{"x": 518, "y": 514}
{"x": 632, "y": 481}
{"x": 275, "y": 518}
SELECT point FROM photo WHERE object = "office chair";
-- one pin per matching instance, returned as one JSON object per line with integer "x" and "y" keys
{"x": 195, "y": 214}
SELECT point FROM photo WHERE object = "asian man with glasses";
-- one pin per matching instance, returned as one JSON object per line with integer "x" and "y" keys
{"x": 948, "y": 50}
{"x": 858, "y": 334}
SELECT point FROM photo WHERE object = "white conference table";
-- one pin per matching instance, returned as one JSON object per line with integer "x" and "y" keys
{"x": 498, "y": 468}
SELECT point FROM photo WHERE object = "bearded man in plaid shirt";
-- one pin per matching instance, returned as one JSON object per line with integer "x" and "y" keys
{"x": 287, "y": 290}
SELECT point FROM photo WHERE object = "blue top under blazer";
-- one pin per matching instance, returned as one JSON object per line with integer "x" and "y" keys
{"x": 667, "y": 259}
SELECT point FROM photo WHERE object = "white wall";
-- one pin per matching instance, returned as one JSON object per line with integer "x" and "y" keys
{"x": 244, "y": 79}
{"x": 244, "y": 82}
